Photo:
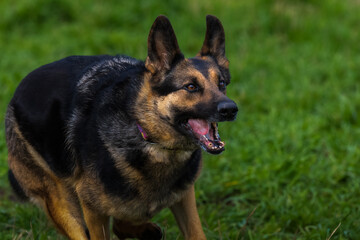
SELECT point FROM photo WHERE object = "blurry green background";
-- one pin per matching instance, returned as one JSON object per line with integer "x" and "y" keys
{"x": 293, "y": 154}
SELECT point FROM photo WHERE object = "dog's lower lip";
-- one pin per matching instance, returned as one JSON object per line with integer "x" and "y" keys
{"x": 213, "y": 145}
{"x": 211, "y": 141}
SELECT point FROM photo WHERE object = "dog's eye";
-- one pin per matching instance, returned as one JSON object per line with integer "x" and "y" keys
{"x": 191, "y": 87}
{"x": 222, "y": 85}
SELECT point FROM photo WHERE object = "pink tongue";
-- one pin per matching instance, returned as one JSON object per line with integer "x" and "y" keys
{"x": 199, "y": 126}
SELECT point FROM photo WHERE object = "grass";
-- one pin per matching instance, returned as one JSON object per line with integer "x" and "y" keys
{"x": 294, "y": 152}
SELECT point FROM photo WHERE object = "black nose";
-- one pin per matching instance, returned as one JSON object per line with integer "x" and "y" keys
{"x": 227, "y": 110}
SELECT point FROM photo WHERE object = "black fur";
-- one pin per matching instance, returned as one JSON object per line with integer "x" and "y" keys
{"x": 201, "y": 66}
{"x": 189, "y": 171}
{"x": 42, "y": 104}
{"x": 166, "y": 87}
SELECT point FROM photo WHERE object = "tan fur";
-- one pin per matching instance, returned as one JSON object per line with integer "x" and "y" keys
{"x": 153, "y": 109}
{"x": 149, "y": 66}
{"x": 98, "y": 225}
{"x": 224, "y": 62}
{"x": 214, "y": 74}
{"x": 41, "y": 185}
{"x": 33, "y": 153}
{"x": 148, "y": 117}
{"x": 61, "y": 205}
{"x": 63, "y": 209}
{"x": 186, "y": 215}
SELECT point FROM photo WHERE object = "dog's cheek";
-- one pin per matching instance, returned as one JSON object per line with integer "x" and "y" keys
{"x": 163, "y": 107}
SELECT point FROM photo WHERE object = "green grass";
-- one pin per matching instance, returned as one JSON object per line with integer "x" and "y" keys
{"x": 294, "y": 151}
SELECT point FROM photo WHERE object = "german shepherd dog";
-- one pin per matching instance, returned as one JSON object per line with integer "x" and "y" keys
{"x": 94, "y": 137}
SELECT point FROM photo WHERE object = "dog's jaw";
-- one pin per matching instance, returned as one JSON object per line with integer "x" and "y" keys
{"x": 205, "y": 134}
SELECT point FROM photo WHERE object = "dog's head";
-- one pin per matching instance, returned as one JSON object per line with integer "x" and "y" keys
{"x": 184, "y": 98}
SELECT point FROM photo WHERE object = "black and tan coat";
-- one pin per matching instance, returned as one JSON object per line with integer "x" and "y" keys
{"x": 76, "y": 132}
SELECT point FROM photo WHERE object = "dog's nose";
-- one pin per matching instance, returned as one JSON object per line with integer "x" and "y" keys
{"x": 227, "y": 110}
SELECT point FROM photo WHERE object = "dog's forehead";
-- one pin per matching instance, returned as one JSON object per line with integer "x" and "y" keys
{"x": 206, "y": 66}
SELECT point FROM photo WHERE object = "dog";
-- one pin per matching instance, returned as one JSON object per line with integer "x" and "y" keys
{"x": 97, "y": 137}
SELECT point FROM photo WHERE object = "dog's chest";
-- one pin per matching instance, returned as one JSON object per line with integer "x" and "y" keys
{"x": 169, "y": 171}
{"x": 141, "y": 182}
{"x": 156, "y": 202}
{"x": 163, "y": 180}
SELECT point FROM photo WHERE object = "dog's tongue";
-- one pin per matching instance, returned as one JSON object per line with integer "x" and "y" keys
{"x": 199, "y": 126}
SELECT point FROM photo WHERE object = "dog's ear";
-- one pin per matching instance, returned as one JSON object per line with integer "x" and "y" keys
{"x": 214, "y": 43}
{"x": 163, "y": 49}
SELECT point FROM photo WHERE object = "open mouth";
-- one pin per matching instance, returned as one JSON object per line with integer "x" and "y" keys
{"x": 207, "y": 135}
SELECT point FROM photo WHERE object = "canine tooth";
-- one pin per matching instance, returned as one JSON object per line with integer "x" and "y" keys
{"x": 205, "y": 137}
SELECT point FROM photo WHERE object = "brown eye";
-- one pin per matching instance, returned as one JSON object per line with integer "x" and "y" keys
{"x": 222, "y": 85}
{"x": 191, "y": 87}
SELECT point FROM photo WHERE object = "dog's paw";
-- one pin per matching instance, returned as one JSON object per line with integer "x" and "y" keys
{"x": 151, "y": 232}
{"x": 147, "y": 231}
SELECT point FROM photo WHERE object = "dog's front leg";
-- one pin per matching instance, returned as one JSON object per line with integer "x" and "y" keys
{"x": 187, "y": 217}
{"x": 98, "y": 225}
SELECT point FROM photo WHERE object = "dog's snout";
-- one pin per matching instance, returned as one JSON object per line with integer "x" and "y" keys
{"x": 227, "y": 110}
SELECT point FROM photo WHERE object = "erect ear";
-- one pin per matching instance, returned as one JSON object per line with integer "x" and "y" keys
{"x": 163, "y": 49}
{"x": 214, "y": 43}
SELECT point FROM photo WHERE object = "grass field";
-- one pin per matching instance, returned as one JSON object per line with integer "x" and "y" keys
{"x": 293, "y": 154}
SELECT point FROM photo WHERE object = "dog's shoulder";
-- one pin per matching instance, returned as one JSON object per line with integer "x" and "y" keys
{"x": 107, "y": 71}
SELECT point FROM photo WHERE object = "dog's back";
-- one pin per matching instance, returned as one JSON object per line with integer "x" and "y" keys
{"x": 42, "y": 106}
